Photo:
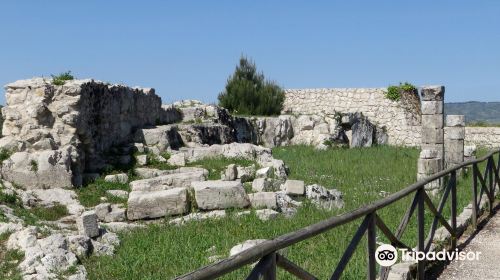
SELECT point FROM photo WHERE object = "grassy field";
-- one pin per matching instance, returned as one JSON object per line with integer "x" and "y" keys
{"x": 364, "y": 175}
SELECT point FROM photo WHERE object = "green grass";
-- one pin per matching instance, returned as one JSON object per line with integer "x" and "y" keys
{"x": 61, "y": 79}
{"x": 90, "y": 195}
{"x": 32, "y": 215}
{"x": 216, "y": 165}
{"x": 9, "y": 260}
{"x": 163, "y": 252}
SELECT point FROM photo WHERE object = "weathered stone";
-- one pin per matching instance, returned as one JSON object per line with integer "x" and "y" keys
{"x": 284, "y": 201}
{"x": 429, "y": 166}
{"x": 433, "y": 135}
{"x": 102, "y": 210}
{"x": 294, "y": 187}
{"x": 362, "y": 133}
{"x": 118, "y": 193}
{"x": 454, "y": 133}
{"x": 470, "y": 150}
{"x": 432, "y": 107}
{"x": 141, "y": 160}
{"x": 324, "y": 198}
{"x": 230, "y": 173}
{"x": 101, "y": 249}
{"x": 87, "y": 224}
{"x": 117, "y": 178}
{"x": 162, "y": 137}
{"x": 147, "y": 173}
{"x": 266, "y": 214}
{"x": 265, "y": 172}
{"x": 432, "y": 93}
{"x": 246, "y": 174}
{"x": 51, "y": 197}
{"x": 212, "y": 195}
{"x": 216, "y": 214}
{"x": 263, "y": 185}
{"x": 80, "y": 245}
{"x": 455, "y": 120}
{"x": 168, "y": 181}
{"x": 117, "y": 214}
{"x": 177, "y": 159}
{"x": 428, "y": 154}
{"x": 432, "y": 121}
{"x": 121, "y": 226}
{"x": 263, "y": 200}
{"x": 155, "y": 204}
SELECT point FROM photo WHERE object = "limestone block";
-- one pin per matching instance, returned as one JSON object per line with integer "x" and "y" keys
{"x": 428, "y": 154}
{"x": 147, "y": 173}
{"x": 266, "y": 214}
{"x": 429, "y": 166}
{"x": 230, "y": 173}
{"x": 432, "y": 107}
{"x": 432, "y": 121}
{"x": 178, "y": 159}
{"x": 117, "y": 178}
{"x": 118, "y": 193}
{"x": 87, "y": 224}
{"x": 265, "y": 172}
{"x": 199, "y": 216}
{"x": 432, "y": 93}
{"x": 263, "y": 185}
{"x": 102, "y": 210}
{"x": 433, "y": 135}
{"x": 294, "y": 187}
{"x": 263, "y": 200}
{"x": 117, "y": 214}
{"x": 211, "y": 195}
{"x": 454, "y": 133}
{"x": 141, "y": 160}
{"x": 168, "y": 181}
{"x": 455, "y": 120}
{"x": 155, "y": 204}
{"x": 470, "y": 150}
{"x": 245, "y": 174}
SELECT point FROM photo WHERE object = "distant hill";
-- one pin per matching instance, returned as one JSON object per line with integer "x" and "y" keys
{"x": 475, "y": 111}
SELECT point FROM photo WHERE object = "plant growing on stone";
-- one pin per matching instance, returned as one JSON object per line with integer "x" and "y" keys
{"x": 34, "y": 166}
{"x": 247, "y": 92}
{"x": 61, "y": 79}
{"x": 394, "y": 93}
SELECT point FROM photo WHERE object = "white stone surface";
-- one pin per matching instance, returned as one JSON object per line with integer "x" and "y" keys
{"x": 294, "y": 187}
{"x": 117, "y": 178}
{"x": 156, "y": 204}
{"x": 211, "y": 195}
{"x": 87, "y": 224}
{"x": 263, "y": 200}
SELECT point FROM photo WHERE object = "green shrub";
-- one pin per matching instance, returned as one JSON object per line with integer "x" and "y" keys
{"x": 247, "y": 92}
{"x": 4, "y": 154}
{"x": 61, "y": 79}
{"x": 394, "y": 93}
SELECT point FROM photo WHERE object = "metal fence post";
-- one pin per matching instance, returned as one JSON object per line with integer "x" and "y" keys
{"x": 371, "y": 236}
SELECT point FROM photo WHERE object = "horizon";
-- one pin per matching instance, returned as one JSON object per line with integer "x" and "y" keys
{"x": 188, "y": 50}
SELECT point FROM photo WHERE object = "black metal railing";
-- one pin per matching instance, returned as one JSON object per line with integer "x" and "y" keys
{"x": 269, "y": 258}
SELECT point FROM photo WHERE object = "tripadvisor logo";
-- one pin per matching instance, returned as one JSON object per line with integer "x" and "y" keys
{"x": 387, "y": 255}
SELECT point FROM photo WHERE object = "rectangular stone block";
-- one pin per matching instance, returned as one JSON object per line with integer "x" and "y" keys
{"x": 428, "y": 153}
{"x": 454, "y": 133}
{"x": 263, "y": 200}
{"x": 455, "y": 120}
{"x": 433, "y": 121}
{"x": 87, "y": 224}
{"x": 429, "y": 166}
{"x": 432, "y": 107}
{"x": 155, "y": 204}
{"x": 294, "y": 187}
{"x": 432, "y": 135}
{"x": 211, "y": 195}
{"x": 432, "y": 93}
{"x": 169, "y": 181}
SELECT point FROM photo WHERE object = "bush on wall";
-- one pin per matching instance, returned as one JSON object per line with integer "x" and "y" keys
{"x": 247, "y": 92}
{"x": 394, "y": 92}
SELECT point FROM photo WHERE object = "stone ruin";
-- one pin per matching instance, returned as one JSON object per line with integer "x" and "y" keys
{"x": 60, "y": 137}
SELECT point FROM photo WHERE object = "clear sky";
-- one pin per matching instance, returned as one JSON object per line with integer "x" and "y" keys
{"x": 187, "y": 49}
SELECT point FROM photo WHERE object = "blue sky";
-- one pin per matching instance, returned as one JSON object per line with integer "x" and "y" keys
{"x": 187, "y": 49}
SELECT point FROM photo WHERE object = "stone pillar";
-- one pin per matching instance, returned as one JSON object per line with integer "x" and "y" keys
{"x": 454, "y": 134}
{"x": 429, "y": 163}
{"x": 431, "y": 158}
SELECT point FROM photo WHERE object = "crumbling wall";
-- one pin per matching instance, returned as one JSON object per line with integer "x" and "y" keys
{"x": 400, "y": 119}
{"x": 57, "y": 132}
{"x": 488, "y": 137}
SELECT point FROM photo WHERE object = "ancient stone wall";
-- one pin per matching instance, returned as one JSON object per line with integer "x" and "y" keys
{"x": 488, "y": 137}
{"x": 58, "y": 132}
{"x": 401, "y": 119}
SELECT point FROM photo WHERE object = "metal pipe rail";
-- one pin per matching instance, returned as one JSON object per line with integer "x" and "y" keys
{"x": 269, "y": 258}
